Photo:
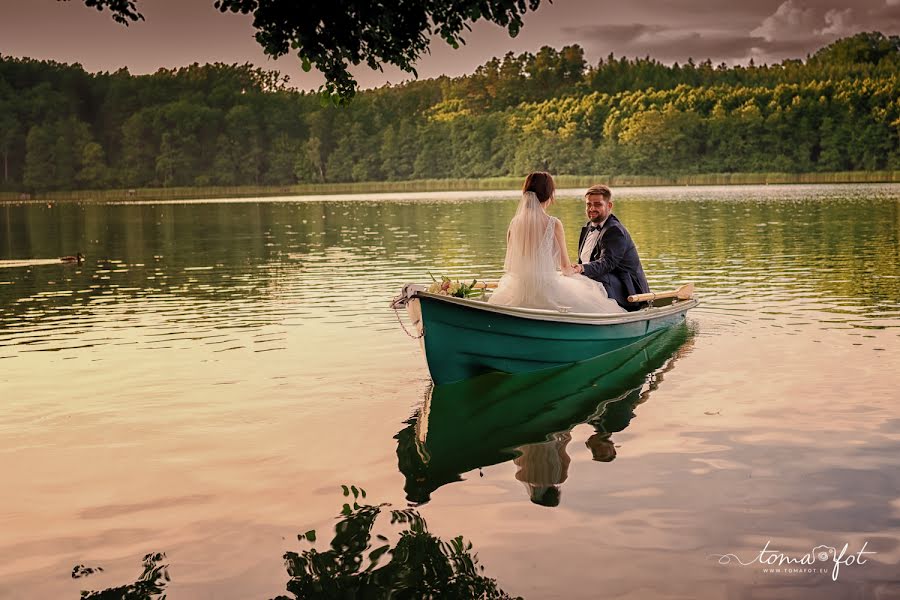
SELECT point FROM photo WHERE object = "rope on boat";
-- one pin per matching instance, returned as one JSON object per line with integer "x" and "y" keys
{"x": 409, "y": 290}
{"x": 405, "y": 330}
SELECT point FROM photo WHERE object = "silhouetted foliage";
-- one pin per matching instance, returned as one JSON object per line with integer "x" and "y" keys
{"x": 122, "y": 11}
{"x": 419, "y": 565}
{"x": 150, "y": 585}
{"x": 79, "y": 571}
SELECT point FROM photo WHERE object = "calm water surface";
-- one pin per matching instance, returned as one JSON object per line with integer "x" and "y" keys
{"x": 205, "y": 383}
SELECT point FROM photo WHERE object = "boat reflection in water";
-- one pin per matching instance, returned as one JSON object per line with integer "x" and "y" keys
{"x": 527, "y": 417}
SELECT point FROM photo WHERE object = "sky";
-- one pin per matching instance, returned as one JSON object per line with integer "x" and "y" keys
{"x": 180, "y": 32}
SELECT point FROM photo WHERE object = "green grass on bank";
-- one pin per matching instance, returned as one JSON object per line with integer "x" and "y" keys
{"x": 443, "y": 185}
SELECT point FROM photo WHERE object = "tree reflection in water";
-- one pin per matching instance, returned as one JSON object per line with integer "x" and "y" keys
{"x": 420, "y": 565}
{"x": 149, "y": 586}
{"x": 417, "y": 565}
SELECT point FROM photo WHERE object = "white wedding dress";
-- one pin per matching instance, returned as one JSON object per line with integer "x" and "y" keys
{"x": 532, "y": 279}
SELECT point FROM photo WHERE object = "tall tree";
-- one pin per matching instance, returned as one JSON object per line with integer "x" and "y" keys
{"x": 10, "y": 131}
{"x": 40, "y": 160}
{"x": 94, "y": 173}
{"x": 140, "y": 145}
{"x": 281, "y": 161}
{"x": 239, "y": 149}
{"x": 174, "y": 162}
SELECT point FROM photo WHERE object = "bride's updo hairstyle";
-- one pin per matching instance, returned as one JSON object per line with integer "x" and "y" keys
{"x": 541, "y": 183}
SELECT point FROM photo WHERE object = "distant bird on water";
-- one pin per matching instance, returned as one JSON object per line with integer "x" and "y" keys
{"x": 78, "y": 259}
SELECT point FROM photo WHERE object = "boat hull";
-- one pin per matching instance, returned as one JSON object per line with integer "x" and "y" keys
{"x": 466, "y": 338}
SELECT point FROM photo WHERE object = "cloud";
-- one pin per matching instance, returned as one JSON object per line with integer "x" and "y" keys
{"x": 791, "y": 29}
{"x": 828, "y": 20}
{"x": 838, "y": 22}
{"x": 790, "y": 20}
{"x": 616, "y": 34}
{"x": 670, "y": 45}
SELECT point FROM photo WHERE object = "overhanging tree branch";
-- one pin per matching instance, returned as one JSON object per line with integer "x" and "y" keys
{"x": 331, "y": 36}
{"x": 123, "y": 11}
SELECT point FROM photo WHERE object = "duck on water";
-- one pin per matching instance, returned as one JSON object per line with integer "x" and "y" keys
{"x": 78, "y": 259}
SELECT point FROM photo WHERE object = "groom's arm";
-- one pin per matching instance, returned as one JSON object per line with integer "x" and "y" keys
{"x": 612, "y": 250}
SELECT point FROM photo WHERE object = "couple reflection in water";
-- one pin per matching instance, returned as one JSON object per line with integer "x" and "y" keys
{"x": 528, "y": 418}
{"x": 544, "y": 466}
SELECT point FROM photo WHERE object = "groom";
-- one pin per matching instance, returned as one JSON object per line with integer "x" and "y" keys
{"x": 606, "y": 252}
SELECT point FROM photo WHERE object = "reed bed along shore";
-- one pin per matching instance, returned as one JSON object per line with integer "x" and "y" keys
{"x": 448, "y": 185}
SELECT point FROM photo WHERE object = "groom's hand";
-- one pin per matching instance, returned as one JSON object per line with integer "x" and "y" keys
{"x": 578, "y": 269}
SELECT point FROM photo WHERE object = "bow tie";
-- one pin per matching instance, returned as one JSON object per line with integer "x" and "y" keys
{"x": 593, "y": 228}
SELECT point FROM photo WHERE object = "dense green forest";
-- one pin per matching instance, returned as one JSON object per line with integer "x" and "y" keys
{"x": 62, "y": 128}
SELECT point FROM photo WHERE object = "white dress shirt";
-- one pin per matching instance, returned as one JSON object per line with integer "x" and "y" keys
{"x": 590, "y": 242}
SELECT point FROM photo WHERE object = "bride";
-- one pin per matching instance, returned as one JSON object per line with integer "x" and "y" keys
{"x": 535, "y": 249}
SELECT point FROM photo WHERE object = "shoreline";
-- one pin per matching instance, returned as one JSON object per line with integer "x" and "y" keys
{"x": 448, "y": 185}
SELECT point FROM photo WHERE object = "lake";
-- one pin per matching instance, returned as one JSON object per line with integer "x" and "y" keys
{"x": 214, "y": 373}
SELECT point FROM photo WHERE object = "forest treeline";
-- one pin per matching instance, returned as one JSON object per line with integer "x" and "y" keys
{"x": 62, "y": 128}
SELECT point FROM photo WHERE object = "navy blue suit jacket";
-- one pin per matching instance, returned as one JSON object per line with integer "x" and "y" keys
{"x": 615, "y": 263}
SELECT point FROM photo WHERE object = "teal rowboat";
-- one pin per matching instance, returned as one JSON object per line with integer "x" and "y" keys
{"x": 465, "y": 337}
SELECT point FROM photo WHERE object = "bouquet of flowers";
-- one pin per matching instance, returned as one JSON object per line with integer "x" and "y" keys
{"x": 446, "y": 287}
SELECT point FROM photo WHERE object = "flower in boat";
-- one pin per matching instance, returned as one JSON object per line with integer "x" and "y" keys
{"x": 447, "y": 287}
